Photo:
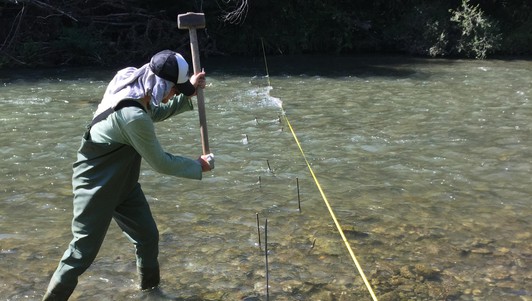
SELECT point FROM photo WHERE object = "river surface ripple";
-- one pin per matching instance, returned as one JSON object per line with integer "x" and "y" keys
{"x": 426, "y": 164}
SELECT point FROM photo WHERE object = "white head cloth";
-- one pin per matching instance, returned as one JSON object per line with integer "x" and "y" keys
{"x": 133, "y": 83}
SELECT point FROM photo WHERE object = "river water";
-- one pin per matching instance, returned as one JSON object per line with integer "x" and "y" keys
{"x": 426, "y": 164}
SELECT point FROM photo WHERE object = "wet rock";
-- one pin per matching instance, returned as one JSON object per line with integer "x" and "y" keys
{"x": 158, "y": 294}
{"x": 421, "y": 290}
{"x": 479, "y": 246}
{"x": 474, "y": 292}
{"x": 427, "y": 272}
{"x": 259, "y": 287}
{"x": 396, "y": 281}
{"x": 213, "y": 296}
{"x": 482, "y": 242}
{"x": 465, "y": 252}
{"x": 389, "y": 296}
{"x": 415, "y": 282}
{"x": 523, "y": 235}
{"x": 501, "y": 251}
{"x": 323, "y": 295}
{"x": 291, "y": 286}
{"x": 412, "y": 276}
{"x": 481, "y": 251}
{"x": 405, "y": 272}
{"x": 353, "y": 233}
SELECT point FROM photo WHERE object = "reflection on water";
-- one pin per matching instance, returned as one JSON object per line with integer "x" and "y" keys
{"x": 426, "y": 163}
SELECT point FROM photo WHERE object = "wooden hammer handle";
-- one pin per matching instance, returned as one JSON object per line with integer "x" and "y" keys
{"x": 201, "y": 100}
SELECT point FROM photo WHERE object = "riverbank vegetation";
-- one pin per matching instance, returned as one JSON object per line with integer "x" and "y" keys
{"x": 106, "y": 32}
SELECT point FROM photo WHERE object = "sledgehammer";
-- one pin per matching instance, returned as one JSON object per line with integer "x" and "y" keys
{"x": 192, "y": 21}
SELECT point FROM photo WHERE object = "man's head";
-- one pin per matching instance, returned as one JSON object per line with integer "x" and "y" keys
{"x": 172, "y": 67}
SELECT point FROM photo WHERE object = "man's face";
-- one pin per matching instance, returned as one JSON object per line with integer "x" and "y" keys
{"x": 171, "y": 94}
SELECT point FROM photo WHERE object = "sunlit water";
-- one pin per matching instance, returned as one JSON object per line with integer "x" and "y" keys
{"x": 426, "y": 164}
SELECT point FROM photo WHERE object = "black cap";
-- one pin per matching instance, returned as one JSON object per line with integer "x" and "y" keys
{"x": 171, "y": 66}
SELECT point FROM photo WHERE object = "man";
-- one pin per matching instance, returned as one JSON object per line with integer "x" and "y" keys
{"x": 106, "y": 172}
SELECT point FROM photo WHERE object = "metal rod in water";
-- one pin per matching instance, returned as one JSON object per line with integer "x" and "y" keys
{"x": 265, "y": 62}
{"x": 258, "y": 230}
{"x": 298, "y": 196}
{"x": 266, "y": 260}
{"x": 269, "y": 168}
{"x": 312, "y": 246}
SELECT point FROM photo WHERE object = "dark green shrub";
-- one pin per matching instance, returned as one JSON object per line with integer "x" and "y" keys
{"x": 519, "y": 39}
{"x": 422, "y": 30}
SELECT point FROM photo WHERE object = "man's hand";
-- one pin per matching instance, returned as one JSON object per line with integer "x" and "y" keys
{"x": 198, "y": 80}
{"x": 207, "y": 162}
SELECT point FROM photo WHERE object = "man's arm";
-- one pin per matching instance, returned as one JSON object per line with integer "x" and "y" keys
{"x": 140, "y": 134}
{"x": 176, "y": 105}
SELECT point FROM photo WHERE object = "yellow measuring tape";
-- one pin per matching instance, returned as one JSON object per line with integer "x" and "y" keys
{"x": 340, "y": 230}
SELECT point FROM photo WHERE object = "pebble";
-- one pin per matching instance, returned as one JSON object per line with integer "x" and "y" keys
{"x": 482, "y": 251}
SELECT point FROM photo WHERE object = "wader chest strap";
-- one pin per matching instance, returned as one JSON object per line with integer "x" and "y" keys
{"x": 120, "y": 105}
{"x": 103, "y": 115}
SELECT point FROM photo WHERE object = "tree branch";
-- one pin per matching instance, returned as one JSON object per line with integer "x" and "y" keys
{"x": 238, "y": 14}
{"x": 48, "y": 6}
{"x": 13, "y": 31}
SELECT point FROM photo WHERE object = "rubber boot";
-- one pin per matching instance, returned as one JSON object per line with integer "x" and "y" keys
{"x": 149, "y": 278}
{"x": 58, "y": 293}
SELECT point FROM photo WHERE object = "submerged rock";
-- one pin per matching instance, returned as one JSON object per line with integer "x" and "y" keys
{"x": 427, "y": 272}
{"x": 353, "y": 233}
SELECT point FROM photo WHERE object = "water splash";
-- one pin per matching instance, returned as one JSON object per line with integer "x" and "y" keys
{"x": 262, "y": 95}
{"x": 274, "y": 100}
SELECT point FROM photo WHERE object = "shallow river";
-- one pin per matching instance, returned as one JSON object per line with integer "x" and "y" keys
{"x": 426, "y": 164}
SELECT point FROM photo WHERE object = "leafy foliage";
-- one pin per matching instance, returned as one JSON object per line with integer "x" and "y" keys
{"x": 478, "y": 34}
{"x": 107, "y": 32}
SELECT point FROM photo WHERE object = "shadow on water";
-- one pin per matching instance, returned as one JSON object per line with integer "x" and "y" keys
{"x": 314, "y": 65}
{"x": 390, "y": 66}
{"x": 309, "y": 65}
{"x": 32, "y": 75}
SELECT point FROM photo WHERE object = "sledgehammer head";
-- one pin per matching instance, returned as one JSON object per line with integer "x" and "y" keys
{"x": 191, "y": 20}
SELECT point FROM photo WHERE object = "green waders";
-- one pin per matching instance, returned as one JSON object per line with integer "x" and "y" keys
{"x": 105, "y": 184}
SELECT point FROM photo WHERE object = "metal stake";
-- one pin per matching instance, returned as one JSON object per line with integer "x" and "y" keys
{"x": 266, "y": 259}
{"x": 258, "y": 230}
{"x": 298, "y": 196}
{"x": 269, "y": 168}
